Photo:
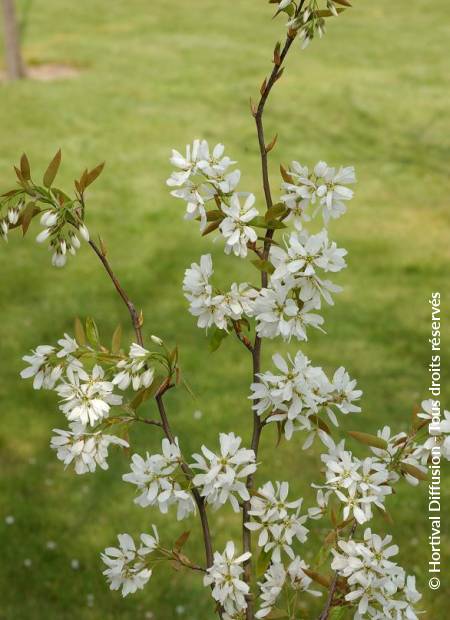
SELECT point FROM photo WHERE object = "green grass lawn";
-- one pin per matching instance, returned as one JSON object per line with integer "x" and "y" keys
{"x": 155, "y": 75}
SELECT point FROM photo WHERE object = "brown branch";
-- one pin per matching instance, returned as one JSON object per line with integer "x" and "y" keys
{"x": 127, "y": 301}
{"x": 245, "y": 341}
{"x": 199, "y": 501}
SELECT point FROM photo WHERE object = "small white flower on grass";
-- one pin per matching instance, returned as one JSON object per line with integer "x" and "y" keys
{"x": 127, "y": 566}
{"x": 27, "y": 563}
{"x": 75, "y": 564}
{"x": 235, "y": 226}
{"x": 87, "y": 398}
{"x": 50, "y": 545}
{"x": 225, "y": 577}
{"x": 223, "y": 475}
{"x": 9, "y": 520}
{"x": 84, "y": 449}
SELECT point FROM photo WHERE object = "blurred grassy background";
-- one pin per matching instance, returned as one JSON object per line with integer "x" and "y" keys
{"x": 154, "y": 76}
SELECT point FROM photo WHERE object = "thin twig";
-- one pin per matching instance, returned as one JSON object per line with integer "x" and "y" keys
{"x": 329, "y": 602}
{"x": 127, "y": 301}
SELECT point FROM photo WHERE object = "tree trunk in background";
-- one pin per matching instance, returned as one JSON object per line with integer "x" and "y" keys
{"x": 14, "y": 64}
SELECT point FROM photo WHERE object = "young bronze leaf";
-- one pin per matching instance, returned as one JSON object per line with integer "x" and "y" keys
{"x": 211, "y": 227}
{"x": 181, "y": 540}
{"x": 94, "y": 174}
{"x": 27, "y": 215}
{"x": 52, "y": 170}
{"x": 369, "y": 440}
{"x": 25, "y": 167}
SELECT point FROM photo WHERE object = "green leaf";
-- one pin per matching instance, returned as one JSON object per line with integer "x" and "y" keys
{"x": 216, "y": 338}
{"x": 262, "y": 563}
{"x": 214, "y": 215}
{"x": 276, "y": 211}
{"x": 143, "y": 395}
{"x": 80, "y": 336}
{"x": 52, "y": 170}
{"x": 369, "y": 440}
{"x": 263, "y": 265}
{"x": 261, "y": 222}
{"x": 116, "y": 339}
{"x": 277, "y": 614}
{"x": 338, "y": 613}
{"x": 92, "y": 332}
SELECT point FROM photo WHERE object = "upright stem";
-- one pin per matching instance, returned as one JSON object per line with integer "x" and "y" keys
{"x": 256, "y": 353}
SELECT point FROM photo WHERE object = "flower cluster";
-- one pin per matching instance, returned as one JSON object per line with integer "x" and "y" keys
{"x": 11, "y": 218}
{"x": 225, "y": 577}
{"x": 63, "y": 241}
{"x": 277, "y": 520}
{"x": 213, "y": 307}
{"x": 201, "y": 178}
{"x": 358, "y": 484}
{"x": 223, "y": 475}
{"x": 277, "y": 577}
{"x": 127, "y": 565}
{"x": 155, "y": 481}
{"x": 324, "y": 185}
{"x": 85, "y": 450}
{"x": 378, "y": 586}
{"x": 86, "y": 398}
{"x": 134, "y": 370}
{"x": 47, "y": 363}
{"x": 299, "y": 391}
{"x": 401, "y": 453}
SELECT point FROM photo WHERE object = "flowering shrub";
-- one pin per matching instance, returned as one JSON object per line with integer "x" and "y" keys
{"x": 102, "y": 389}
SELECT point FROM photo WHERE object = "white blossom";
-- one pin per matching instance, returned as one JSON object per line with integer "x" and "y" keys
{"x": 235, "y": 226}
{"x": 200, "y": 177}
{"x": 225, "y": 577}
{"x": 277, "y": 314}
{"x": 134, "y": 370}
{"x": 358, "y": 484}
{"x": 127, "y": 566}
{"x": 223, "y": 475}
{"x": 86, "y": 398}
{"x": 83, "y": 449}
{"x": 379, "y": 588}
{"x": 323, "y": 185}
{"x": 277, "y": 520}
{"x": 297, "y": 391}
{"x": 155, "y": 481}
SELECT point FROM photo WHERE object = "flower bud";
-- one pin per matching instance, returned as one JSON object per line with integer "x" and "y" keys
{"x": 156, "y": 340}
{"x": 84, "y": 232}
